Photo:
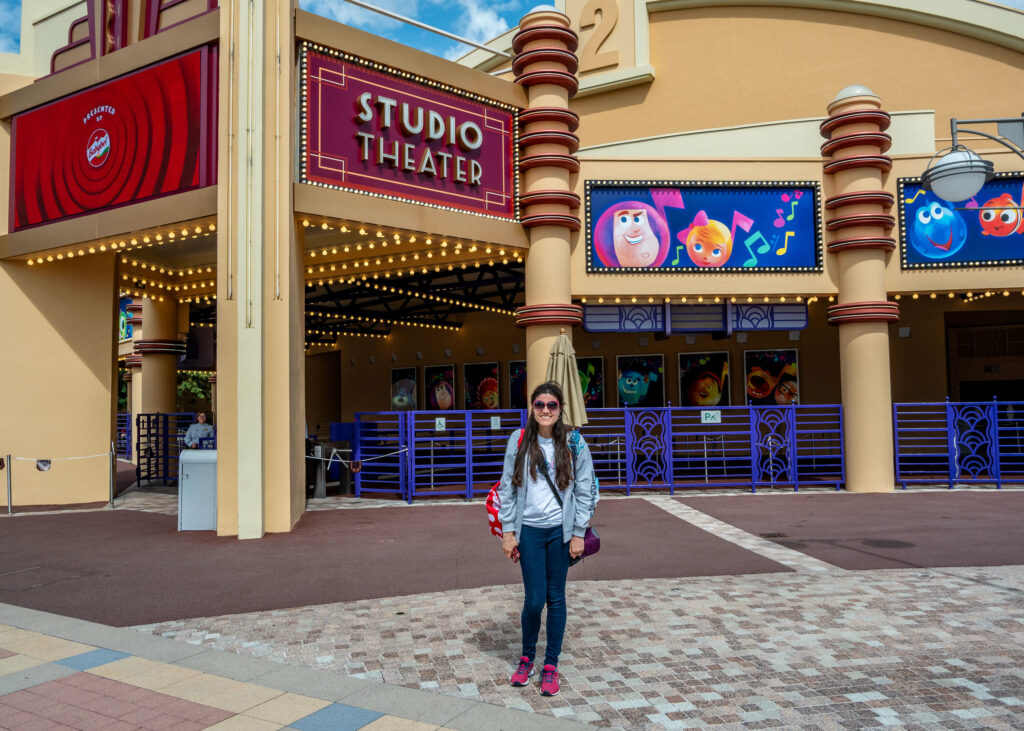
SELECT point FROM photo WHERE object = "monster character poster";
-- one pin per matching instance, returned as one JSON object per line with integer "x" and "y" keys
{"x": 403, "y": 389}
{"x": 592, "y": 381}
{"x": 641, "y": 381}
{"x": 704, "y": 379}
{"x": 517, "y": 384}
{"x": 771, "y": 377}
{"x": 703, "y": 226}
{"x": 481, "y": 383}
{"x": 439, "y": 387}
{"x": 987, "y": 230}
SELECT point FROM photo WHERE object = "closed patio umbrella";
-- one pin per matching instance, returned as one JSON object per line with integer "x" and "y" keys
{"x": 562, "y": 370}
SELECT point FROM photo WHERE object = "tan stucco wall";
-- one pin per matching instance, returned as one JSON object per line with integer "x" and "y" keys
{"x": 56, "y": 377}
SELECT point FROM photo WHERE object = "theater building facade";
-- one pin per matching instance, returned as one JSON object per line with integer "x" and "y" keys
{"x": 720, "y": 202}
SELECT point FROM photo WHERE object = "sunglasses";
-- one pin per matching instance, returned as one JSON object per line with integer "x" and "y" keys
{"x": 549, "y": 405}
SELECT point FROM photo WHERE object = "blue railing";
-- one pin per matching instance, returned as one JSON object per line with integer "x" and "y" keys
{"x": 460, "y": 453}
{"x": 955, "y": 443}
{"x": 123, "y": 440}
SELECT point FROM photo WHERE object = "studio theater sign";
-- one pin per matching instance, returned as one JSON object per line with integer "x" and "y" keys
{"x": 388, "y": 133}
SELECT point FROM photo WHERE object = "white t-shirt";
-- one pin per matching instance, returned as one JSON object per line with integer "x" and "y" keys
{"x": 541, "y": 509}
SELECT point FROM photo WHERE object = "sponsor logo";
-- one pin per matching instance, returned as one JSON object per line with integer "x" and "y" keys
{"x": 98, "y": 149}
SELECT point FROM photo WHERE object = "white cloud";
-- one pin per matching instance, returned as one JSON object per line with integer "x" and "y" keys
{"x": 357, "y": 17}
{"x": 480, "y": 23}
{"x": 10, "y": 26}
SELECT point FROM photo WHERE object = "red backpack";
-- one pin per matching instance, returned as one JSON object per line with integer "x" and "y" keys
{"x": 494, "y": 500}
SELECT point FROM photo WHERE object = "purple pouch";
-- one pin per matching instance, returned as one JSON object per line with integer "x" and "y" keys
{"x": 591, "y": 545}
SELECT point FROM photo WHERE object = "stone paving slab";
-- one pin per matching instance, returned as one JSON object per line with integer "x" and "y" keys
{"x": 939, "y": 648}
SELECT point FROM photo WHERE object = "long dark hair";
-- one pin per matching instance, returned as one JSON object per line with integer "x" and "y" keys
{"x": 531, "y": 447}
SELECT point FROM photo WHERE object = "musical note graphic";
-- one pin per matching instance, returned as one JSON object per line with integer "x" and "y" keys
{"x": 972, "y": 203}
{"x": 679, "y": 249}
{"x": 738, "y": 219}
{"x": 908, "y": 201}
{"x": 785, "y": 244}
{"x": 798, "y": 194}
{"x": 780, "y": 221}
{"x": 792, "y": 211}
{"x": 666, "y": 198}
{"x": 763, "y": 248}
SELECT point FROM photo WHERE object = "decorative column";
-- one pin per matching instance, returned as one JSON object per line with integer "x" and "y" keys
{"x": 545, "y": 64}
{"x": 858, "y": 221}
{"x": 159, "y": 352}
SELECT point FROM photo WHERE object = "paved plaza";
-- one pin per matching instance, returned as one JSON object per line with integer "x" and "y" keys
{"x": 806, "y": 644}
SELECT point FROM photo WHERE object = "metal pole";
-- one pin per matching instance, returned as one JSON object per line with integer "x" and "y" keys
{"x": 112, "y": 472}
{"x": 9, "y": 503}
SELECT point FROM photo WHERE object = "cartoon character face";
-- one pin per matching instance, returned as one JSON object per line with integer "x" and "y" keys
{"x": 705, "y": 390}
{"x": 636, "y": 244}
{"x": 759, "y": 382}
{"x": 633, "y": 387}
{"x": 442, "y": 396}
{"x": 1000, "y": 217}
{"x": 488, "y": 393}
{"x": 709, "y": 244}
{"x": 786, "y": 393}
{"x": 403, "y": 395}
{"x": 937, "y": 231}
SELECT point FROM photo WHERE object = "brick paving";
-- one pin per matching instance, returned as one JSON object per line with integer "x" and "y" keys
{"x": 814, "y": 648}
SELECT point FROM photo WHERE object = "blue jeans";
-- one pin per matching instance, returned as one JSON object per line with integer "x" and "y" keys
{"x": 544, "y": 559}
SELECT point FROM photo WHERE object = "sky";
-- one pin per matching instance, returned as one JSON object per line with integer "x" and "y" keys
{"x": 478, "y": 20}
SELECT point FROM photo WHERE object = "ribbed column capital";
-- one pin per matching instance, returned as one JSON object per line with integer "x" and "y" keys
{"x": 159, "y": 347}
{"x": 558, "y": 314}
{"x": 883, "y": 311}
{"x": 133, "y": 361}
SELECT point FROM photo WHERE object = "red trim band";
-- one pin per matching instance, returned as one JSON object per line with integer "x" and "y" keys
{"x": 863, "y": 312}
{"x": 545, "y": 33}
{"x": 559, "y": 78}
{"x": 877, "y": 139}
{"x": 862, "y": 242}
{"x": 550, "y": 114}
{"x": 875, "y": 116}
{"x": 839, "y": 164}
{"x": 864, "y": 197}
{"x": 133, "y": 361}
{"x": 159, "y": 347}
{"x": 550, "y": 219}
{"x": 550, "y": 197}
{"x": 861, "y": 219}
{"x": 566, "y": 59}
{"x": 568, "y": 162}
{"x": 571, "y": 315}
{"x": 550, "y": 137}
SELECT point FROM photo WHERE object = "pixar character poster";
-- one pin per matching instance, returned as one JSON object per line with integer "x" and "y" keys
{"x": 987, "y": 230}
{"x": 706, "y": 226}
{"x": 640, "y": 381}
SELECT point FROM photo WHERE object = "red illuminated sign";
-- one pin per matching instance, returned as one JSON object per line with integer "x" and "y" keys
{"x": 397, "y": 136}
{"x": 139, "y": 136}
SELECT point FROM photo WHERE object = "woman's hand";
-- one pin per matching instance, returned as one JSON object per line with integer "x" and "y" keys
{"x": 575, "y": 547}
{"x": 509, "y": 543}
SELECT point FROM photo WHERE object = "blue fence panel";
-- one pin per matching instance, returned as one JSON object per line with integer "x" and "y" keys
{"x": 715, "y": 454}
{"x": 381, "y": 448}
{"x": 959, "y": 442}
{"x": 438, "y": 454}
{"x": 123, "y": 442}
{"x": 819, "y": 445}
{"x": 605, "y": 434}
{"x": 489, "y": 435}
{"x": 648, "y": 449}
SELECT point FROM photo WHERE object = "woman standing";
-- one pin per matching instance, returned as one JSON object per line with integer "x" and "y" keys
{"x": 542, "y": 530}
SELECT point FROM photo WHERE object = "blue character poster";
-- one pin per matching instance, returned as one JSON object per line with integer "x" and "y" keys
{"x": 640, "y": 381}
{"x": 988, "y": 229}
{"x": 403, "y": 389}
{"x": 703, "y": 226}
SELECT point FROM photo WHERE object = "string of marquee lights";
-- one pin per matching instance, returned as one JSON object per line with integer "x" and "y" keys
{"x": 430, "y": 297}
{"x": 382, "y": 320}
{"x": 126, "y": 243}
{"x": 305, "y": 49}
{"x": 969, "y": 296}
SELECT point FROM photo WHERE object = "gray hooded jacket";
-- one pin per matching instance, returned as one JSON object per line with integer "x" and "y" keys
{"x": 578, "y": 501}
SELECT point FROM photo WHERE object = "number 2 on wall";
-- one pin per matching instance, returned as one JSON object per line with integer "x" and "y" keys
{"x": 590, "y": 59}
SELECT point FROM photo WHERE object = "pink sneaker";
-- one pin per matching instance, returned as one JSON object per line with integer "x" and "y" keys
{"x": 549, "y": 680}
{"x": 523, "y": 673}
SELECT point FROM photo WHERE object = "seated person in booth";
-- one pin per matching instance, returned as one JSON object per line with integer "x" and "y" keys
{"x": 199, "y": 430}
